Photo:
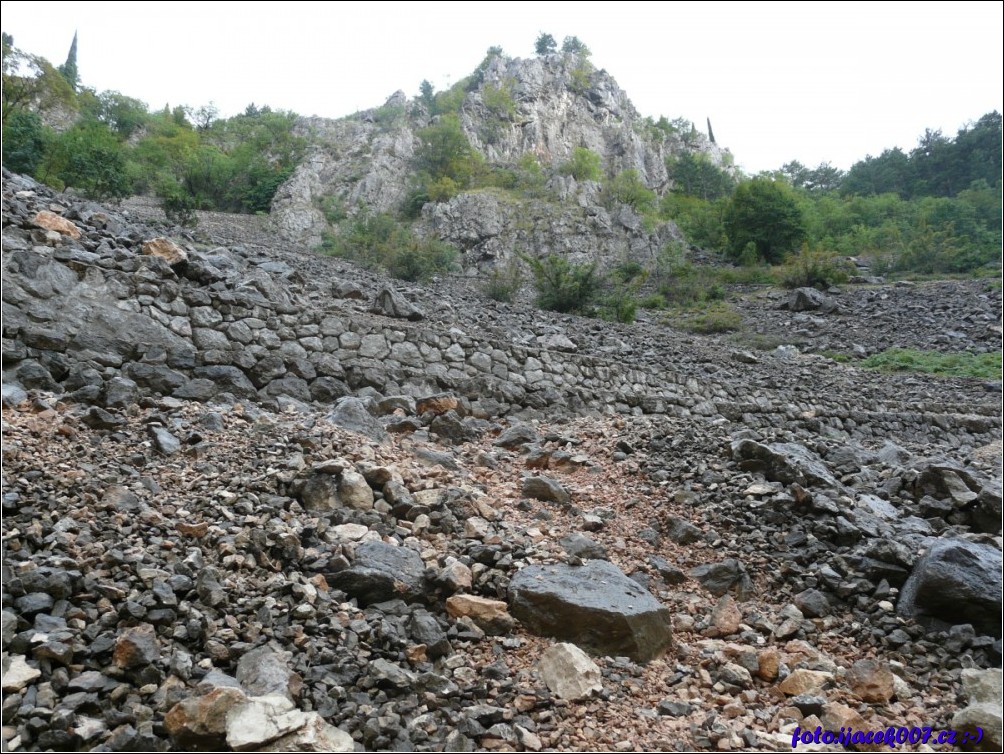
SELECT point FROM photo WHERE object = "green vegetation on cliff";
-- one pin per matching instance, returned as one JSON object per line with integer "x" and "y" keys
{"x": 116, "y": 147}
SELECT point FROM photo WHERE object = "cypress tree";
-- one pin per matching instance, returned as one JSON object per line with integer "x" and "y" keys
{"x": 69, "y": 68}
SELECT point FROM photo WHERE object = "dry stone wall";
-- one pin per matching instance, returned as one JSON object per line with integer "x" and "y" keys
{"x": 97, "y": 318}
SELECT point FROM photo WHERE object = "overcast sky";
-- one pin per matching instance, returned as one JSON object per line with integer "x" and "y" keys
{"x": 814, "y": 82}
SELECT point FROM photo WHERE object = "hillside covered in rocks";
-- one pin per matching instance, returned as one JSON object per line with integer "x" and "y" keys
{"x": 257, "y": 499}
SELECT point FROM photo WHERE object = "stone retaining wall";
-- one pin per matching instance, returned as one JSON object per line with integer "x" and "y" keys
{"x": 81, "y": 316}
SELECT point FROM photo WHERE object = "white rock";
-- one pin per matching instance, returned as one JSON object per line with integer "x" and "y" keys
{"x": 354, "y": 491}
{"x": 983, "y": 688}
{"x": 569, "y": 672}
{"x": 88, "y": 728}
{"x": 315, "y": 735}
{"x": 456, "y": 576}
{"x": 476, "y": 528}
{"x": 350, "y": 532}
{"x": 17, "y": 673}
{"x": 262, "y": 719}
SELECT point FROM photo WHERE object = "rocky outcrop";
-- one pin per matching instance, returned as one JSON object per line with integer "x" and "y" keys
{"x": 552, "y": 105}
{"x": 491, "y": 227}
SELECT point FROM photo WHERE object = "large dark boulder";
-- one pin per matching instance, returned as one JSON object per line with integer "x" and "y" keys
{"x": 382, "y": 572}
{"x": 957, "y": 581}
{"x": 721, "y": 578}
{"x": 785, "y": 462}
{"x": 594, "y": 606}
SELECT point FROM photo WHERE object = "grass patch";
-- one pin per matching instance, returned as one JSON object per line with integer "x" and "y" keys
{"x": 716, "y": 318}
{"x": 984, "y": 366}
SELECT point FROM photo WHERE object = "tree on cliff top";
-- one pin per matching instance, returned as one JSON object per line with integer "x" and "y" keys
{"x": 30, "y": 83}
{"x": 68, "y": 70}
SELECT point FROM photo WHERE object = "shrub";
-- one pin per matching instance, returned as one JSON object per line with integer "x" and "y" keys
{"x": 627, "y": 188}
{"x": 333, "y": 209}
{"x": 564, "y": 287}
{"x": 619, "y": 306}
{"x": 24, "y": 141}
{"x": 179, "y": 206}
{"x": 89, "y": 157}
{"x": 767, "y": 214}
{"x": 583, "y": 165}
{"x": 503, "y": 282}
{"x": 498, "y": 99}
{"x": 653, "y": 301}
{"x": 377, "y": 240}
{"x": 816, "y": 269}
{"x": 420, "y": 259}
{"x": 700, "y": 220}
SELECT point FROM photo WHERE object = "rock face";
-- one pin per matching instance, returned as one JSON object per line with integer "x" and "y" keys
{"x": 556, "y": 103}
{"x": 594, "y": 606}
{"x": 956, "y": 580}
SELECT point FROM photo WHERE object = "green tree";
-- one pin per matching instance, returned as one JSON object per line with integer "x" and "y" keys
{"x": 30, "y": 83}
{"x": 124, "y": 115}
{"x": 564, "y": 287}
{"x": 766, "y": 214}
{"x": 583, "y": 165}
{"x": 68, "y": 70}
{"x": 825, "y": 177}
{"x": 575, "y": 46}
{"x": 545, "y": 44}
{"x": 427, "y": 95}
{"x": 628, "y": 188}
{"x": 88, "y": 157}
{"x": 204, "y": 116}
{"x": 24, "y": 142}
{"x": 694, "y": 174}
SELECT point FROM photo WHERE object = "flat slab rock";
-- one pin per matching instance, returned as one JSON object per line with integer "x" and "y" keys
{"x": 594, "y": 606}
{"x": 382, "y": 572}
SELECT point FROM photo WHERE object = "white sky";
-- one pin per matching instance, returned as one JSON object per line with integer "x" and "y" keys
{"x": 814, "y": 82}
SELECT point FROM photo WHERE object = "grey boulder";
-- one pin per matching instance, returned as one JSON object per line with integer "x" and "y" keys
{"x": 957, "y": 581}
{"x": 594, "y": 606}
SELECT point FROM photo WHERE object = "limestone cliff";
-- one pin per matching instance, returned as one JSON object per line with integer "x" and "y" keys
{"x": 546, "y": 107}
